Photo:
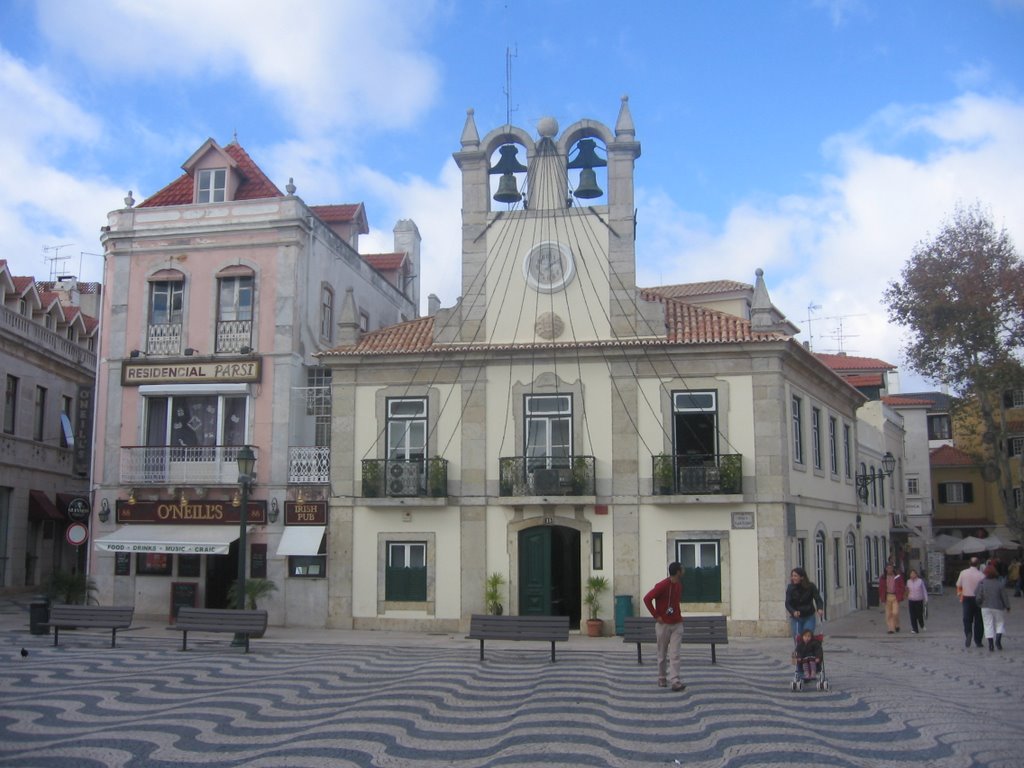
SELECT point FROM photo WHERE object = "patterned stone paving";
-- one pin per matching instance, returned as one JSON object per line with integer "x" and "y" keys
{"x": 146, "y": 704}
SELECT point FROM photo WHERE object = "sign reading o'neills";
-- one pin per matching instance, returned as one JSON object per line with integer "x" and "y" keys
{"x": 134, "y": 374}
{"x": 195, "y": 513}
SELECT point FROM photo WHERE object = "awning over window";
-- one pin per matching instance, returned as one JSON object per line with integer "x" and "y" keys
{"x": 41, "y": 508}
{"x": 301, "y": 540}
{"x": 174, "y": 539}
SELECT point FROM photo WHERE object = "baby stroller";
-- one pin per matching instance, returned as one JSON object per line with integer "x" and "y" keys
{"x": 810, "y": 665}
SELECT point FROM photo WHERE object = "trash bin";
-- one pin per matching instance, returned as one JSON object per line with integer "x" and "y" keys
{"x": 623, "y": 608}
{"x": 38, "y": 615}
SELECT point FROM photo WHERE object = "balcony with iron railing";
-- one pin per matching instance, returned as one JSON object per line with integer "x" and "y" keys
{"x": 546, "y": 476}
{"x": 309, "y": 464}
{"x": 697, "y": 474}
{"x": 179, "y": 465}
{"x": 387, "y": 478}
{"x": 233, "y": 336}
{"x": 45, "y": 339}
{"x": 163, "y": 339}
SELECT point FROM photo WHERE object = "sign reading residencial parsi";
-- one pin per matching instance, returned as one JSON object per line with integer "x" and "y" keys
{"x": 134, "y": 373}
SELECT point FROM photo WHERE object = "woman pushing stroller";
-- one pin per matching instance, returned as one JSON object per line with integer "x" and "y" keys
{"x": 803, "y": 603}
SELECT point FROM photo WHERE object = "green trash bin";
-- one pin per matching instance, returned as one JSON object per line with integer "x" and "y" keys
{"x": 623, "y": 608}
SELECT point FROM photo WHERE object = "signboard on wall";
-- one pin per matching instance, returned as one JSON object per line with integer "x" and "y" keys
{"x": 307, "y": 513}
{"x": 172, "y": 511}
{"x": 134, "y": 374}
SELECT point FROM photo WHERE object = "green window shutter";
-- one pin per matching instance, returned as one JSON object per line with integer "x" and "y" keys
{"x": 405, "y": 584}
{"x": 703, "y": 585}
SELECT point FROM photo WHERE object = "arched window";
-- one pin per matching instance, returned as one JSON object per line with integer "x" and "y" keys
{"x": 819, "y": 562}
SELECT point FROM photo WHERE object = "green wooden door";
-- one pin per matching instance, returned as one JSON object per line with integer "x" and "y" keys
{"x": 535, "y": 572}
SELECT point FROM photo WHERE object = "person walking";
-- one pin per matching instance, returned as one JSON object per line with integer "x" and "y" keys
{"x": 1013, "y": 577}
{"x": 917, "y": 599}
{"x": 663, "y": 604}
{"x": 803, "y": 603}
{"x": 891, "y": 591}
{"x": 992, "y": 600}
{"x": 966, "y": 587}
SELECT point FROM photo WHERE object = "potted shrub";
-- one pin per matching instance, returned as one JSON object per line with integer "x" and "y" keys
{"x": 730, "y": 468}
{"x": 492, "y": 594}
{"x": 664, "y": 469}
{"x": 71, "y": 588}
{"x": 255, "y": 589}
{"x": 596, "y": 586}
{"x": 580, "y": 476}
{"x": 505, "y": 474}
{"x": 371, "y": 478}
{"x": 437, "y": 477}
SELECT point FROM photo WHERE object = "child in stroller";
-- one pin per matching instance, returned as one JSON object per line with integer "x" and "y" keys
{"x": 810, "y": 662}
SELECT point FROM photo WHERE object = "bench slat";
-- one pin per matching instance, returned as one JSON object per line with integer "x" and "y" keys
{"x": 112, "y": 617}
{"x": 239, "y": 622}
{"x": 697, "y": 630}
{"x": 543, "y": 628}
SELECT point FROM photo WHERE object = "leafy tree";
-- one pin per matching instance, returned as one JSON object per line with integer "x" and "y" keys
{"x": 961, "y": 296}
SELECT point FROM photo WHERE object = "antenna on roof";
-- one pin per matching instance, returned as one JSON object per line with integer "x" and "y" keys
{"x": 509, "y": 54}
{"x": 811, "y": 309}
{"x": 234, "y": 136}
{"x": 56, "y": 257}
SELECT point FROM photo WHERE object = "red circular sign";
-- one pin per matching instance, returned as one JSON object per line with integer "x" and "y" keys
{"x": 77, "y": 534}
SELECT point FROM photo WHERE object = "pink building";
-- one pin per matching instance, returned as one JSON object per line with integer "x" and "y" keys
{"x": 221, "y": 292}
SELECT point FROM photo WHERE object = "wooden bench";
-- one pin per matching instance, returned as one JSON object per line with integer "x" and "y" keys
{"x": 239, "y": 622}
{"x": 550, "y": 629}
{"x": 90, "y": 616}
{"x": 697, "y": 630}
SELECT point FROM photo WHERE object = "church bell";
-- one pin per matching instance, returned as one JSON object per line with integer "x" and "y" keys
{"x": 507, "y": 165}
{"x": 587, "y": 160}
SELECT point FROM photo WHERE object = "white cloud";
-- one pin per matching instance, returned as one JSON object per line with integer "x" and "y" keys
{"x": 328, "y": 64}
{"x": 841, "y": 247}
{"x": 48, "y": 204}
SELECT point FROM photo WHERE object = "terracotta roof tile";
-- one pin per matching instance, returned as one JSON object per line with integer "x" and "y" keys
{"x": 336, "y": 214}
{"x": 254, "y": 184}
{"x": 864, "y": 379}
{"x": 850, "y": 363}
{"x": 948, "y": 456}
{"x": 688, "y": 324}
{"x": 21, "y": 283}
{"x": 682, "y": 290}
{"x": 384, "y": 261}
{"x": 900, "y": 400}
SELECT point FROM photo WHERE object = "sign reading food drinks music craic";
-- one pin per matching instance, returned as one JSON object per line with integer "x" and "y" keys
{"x": 134, "y": 374}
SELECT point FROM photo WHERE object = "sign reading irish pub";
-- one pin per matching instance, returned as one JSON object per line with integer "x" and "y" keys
{"x": 134, "y": 374}
{"x": 193, "y": 513}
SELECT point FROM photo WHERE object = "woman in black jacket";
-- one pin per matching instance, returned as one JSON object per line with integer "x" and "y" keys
{"x": 803, "y": 603}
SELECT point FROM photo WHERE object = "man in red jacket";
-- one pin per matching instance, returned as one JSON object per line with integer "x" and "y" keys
{"x": 663, "y": 603}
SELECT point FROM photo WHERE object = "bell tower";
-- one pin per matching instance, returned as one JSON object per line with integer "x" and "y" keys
{"x": 548, "y": 247}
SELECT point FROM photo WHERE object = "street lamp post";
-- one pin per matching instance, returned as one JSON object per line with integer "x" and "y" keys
{"x": 246, "y": 465}
{"x": 863, "y": 481}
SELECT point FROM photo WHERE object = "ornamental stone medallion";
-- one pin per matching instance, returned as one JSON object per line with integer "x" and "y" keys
{"x": 549, "y": 326}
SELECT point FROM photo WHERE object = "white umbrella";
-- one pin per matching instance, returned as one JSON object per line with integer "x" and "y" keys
{"x": 972, "y": 545}
{"x": 944, "y": 541}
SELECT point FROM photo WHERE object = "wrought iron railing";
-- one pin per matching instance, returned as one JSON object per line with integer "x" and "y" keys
{"x": 179, "y": 465}
{"x": 546, "y": 476}
{"x": 697, "y": 473}
{"x": 418, "y": 477}
{"x": 163, "y": 339}
{"x": 233, "y": 335}
{"x": 309, "y": 464}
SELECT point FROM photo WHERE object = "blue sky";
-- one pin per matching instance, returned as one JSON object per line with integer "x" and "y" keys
{"x": 816, "y": 139}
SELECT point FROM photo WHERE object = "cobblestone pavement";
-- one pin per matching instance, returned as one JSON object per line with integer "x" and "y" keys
{"x": 335, "y": 698}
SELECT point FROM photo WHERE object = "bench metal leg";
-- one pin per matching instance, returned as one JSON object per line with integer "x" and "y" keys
{"x": 56, "y": 634}
{"x": 184, "y": 638}
{"x": 113, "y": 638}
{"x": 481, "y": 649}
{"x": 639, "y": 656}
{"x": 552, "y": 651}
{"x": 713, "y": 659}
{"x": 247, "y": 642}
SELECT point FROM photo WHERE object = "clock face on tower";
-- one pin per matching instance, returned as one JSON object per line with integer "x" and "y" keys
{"x": 549, "y": 267}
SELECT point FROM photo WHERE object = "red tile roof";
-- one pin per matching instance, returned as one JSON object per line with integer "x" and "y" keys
{"x": 948, "y": 456}
{"x": 901, "y": 400}
{"x": 850, "y": 363}
{"x": 864, "y": 379}
{"x": 384, "y": 261}
{"x": 687, "y": 324}
{"x": 21, "y": 283}
{"x": 336, "y": 214}
{"x": 683, "y": 290}
{"x": 253, "y": 184}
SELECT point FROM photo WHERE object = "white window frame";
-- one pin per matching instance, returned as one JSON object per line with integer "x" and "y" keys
{"x": 240, "y": 291}
{"x": 539, "y": 423}
{"x": 816, "y": 437}
{"x": 173, "y": 293}
{"x": 913, "y": 486}
{"x": 407, "y": 421}
{"x": 212, "y": 185}
{"x": 327, "y": 313}
{"x": 833, "y": 447}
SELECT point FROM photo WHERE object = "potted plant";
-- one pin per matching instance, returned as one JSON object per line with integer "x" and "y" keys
{"x": 437, "y": 477}
{"x": 492, "y": 594}
{"x": 505, "y": 474}
{"x": 580, "y": 476}
{"x": 255, "y": 589}
{"x": 371, "y": 478}
{"x": 730, "y": 469}
{"x": 596, "y": 586}
{"x": 71, "y": 588}
{"x": 664, "y": 469}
